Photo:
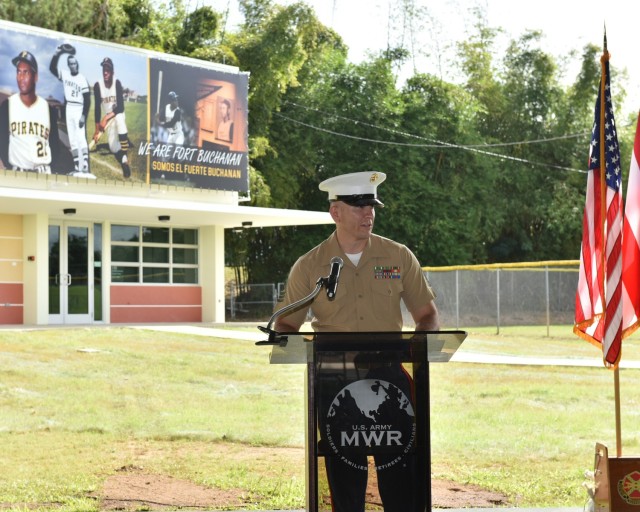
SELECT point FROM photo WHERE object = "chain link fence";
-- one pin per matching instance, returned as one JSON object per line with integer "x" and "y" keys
{"x": 251, "y": 301}
{"x": 541, "y": 293}
{"x": 501, "y": 295}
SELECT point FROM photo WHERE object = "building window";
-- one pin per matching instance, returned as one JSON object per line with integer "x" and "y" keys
{"x": 161, "y": 255}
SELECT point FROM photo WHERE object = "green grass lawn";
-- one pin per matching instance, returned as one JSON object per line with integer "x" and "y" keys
{"x": 76, "y": 404}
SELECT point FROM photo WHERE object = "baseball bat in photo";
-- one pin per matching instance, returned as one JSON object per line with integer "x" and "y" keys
{"x": 92, "y": 143}
{"x": 159, "y": 91}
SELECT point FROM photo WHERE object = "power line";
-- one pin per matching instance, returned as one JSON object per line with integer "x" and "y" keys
{"x": 437, "y": 143}
{"x": 432, "y": 143}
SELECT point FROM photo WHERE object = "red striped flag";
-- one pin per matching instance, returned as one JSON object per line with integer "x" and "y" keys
{"x": 631, "y": 245}
{"x": 598, "y": 316}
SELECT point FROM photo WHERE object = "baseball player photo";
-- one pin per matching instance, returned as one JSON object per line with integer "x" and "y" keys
{"x": 110, "y": 116}
{"x": 29, "y": 138}
{"x": 172, "y": 120}
{"x": 77, "y": 96}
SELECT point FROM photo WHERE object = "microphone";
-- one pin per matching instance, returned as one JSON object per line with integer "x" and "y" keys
{"x": 332, "y": 282}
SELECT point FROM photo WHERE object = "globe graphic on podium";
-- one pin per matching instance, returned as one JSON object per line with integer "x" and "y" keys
{"x": 371, "y": 397}
{"x": 371, "y": 417}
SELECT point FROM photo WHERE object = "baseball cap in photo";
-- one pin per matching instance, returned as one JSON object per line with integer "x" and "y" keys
{"x": 25, "y": 56}
{"x": 107, "y": 63}
{"x": 355, "y": 189}
{"x": 172, "y": 95}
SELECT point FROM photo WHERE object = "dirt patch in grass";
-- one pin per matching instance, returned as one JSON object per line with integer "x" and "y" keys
{"x": 132, "y": 489}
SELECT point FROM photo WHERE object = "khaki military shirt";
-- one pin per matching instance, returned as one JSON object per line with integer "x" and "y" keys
{"x": 368, "y": 296}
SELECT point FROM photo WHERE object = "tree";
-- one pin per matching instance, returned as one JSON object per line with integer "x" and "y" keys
{"x": 97, "y": 19}
{"x": 432, "y": 202}
{"x": 532, "y": 183}
{"x": 274, "y": 44}
{"x": 479, "y": 171}
{"x": 282, "y": 47}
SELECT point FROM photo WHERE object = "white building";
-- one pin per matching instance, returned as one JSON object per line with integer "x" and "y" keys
{"x": 139, "y": 236}
{"x": 80, "y": 251}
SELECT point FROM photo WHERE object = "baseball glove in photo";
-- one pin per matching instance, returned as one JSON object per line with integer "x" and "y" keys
{"x": 67, "y": 48}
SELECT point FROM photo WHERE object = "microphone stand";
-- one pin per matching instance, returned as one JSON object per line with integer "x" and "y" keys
{"x": 275, "y": 338}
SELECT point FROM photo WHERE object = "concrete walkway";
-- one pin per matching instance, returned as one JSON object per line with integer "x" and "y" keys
{"x": 461, "y": 356}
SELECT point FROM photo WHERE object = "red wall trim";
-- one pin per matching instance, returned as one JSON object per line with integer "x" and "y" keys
{"x": 152, "y": 295}
{"x": 11, "y": 300}
{"x": 155, "y": 314}
{"x": 11, "y": 293}
{"x": 12, "y": 315}
{"x": 140, "y": 303}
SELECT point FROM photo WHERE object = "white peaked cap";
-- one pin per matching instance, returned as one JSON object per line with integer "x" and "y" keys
{"x": 355, "y": 189}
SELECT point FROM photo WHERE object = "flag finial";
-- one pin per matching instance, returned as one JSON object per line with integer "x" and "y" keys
{"x": 605, "y": 39}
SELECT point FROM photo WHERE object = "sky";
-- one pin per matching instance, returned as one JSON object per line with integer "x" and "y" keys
{"x": 566, "y": 24}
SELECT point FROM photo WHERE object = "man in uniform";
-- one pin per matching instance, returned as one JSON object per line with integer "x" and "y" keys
{"x": 172, "y": 120}
{"x": 77, "y": 96}
{"x": 28, "y": 124}
{"x": 109, "y": 96}
{"x": 377, "y": 275}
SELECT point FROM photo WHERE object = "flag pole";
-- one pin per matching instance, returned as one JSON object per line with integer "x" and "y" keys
{"x": 616, "y": 385}
{"x": 616, "y": 372}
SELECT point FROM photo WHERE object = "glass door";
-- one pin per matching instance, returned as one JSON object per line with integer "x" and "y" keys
{"x": 70, "y": 273}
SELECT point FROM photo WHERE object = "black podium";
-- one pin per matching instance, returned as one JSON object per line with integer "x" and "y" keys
{"x": 368, "y": 398}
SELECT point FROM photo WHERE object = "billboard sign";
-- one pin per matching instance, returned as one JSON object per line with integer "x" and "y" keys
{"x": 96, "y": 110}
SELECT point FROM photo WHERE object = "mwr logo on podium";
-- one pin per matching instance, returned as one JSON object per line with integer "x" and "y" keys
{"x": 372, "y": 417}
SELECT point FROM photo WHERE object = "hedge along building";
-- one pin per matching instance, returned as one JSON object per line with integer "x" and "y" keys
{"x": 125, "y": 223}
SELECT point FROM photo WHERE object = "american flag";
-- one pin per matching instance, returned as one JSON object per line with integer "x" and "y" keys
{"x": 598, "y": 317}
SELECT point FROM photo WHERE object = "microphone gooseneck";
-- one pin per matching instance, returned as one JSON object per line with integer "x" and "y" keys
{"x": 330, "y": 283}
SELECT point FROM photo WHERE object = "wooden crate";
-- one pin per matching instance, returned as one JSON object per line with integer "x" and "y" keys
{"x": 617, "y": 482}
